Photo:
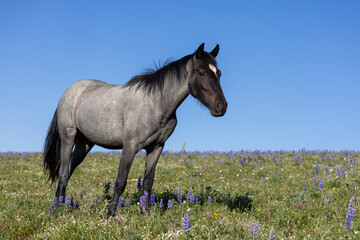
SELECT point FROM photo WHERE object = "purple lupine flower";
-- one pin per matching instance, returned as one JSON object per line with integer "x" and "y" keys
{"x": 20, "y": 194}
{"x": 256, "y": 230}
{"x": 88, "y": 202}
{"x": 142, "y": 200}
{"x": 272, "y": 233}
{"x": 250, "y": 226}
{"x": 321, "y": 184}
{"x": 186, "y": 223}
{"x": 152, "y": 199}
{"x": 161, "y": 203}
{"x": 306, "y": 186}
{"x": 189, "y": 195}
{"x": 120, "y": 202}
{"x": 113, "y": 185}
{"x": 138, "y": 186}
{"x": 317, "y": 168}
{"x": 179, "y": 197}
{"x": 187, "y": 161}
{"x": 274, "y": 159}
{"x": 67, "y": 201}
{"x": 339, "y": 172}
{"x": 315, "y": 182}
{"x": 169, "y": 205}
{"x": 54, "y": 202}
{"x": 127, "y": 202}
{"x": 82, "y": 194}
{"x": 350, "y": 214}
{"x": 107, "y": 187}
{"x": 326, "y": 200}
{"x": 209, "y": 199}
{"x": 61, "y": 198}
{"x": 72, "y": 202}
{"x": 262, "y": 180}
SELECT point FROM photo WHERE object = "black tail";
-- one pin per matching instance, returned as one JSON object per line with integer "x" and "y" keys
{"x": 52, "y": 150}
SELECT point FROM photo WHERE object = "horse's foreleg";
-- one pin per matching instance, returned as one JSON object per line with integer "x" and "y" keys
{"x": 127, "y": 157}
{"x": 150, "y": 165}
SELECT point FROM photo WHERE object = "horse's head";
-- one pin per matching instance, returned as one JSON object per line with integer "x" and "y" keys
{"x": 204, "y": 82}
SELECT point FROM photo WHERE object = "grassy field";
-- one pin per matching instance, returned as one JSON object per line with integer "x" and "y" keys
{"x": 233, "y": 195}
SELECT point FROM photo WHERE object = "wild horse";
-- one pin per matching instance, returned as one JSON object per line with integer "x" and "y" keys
{"x": 138, "y": 115}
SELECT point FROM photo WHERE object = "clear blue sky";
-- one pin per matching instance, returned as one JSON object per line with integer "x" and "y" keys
{"x": 290, "y": 69}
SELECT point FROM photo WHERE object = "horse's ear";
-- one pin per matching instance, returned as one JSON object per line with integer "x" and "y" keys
{"x": 200, "y": 50}
{"x": 215, "y": 51}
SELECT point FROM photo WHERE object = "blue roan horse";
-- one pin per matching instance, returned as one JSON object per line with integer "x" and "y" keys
{"x": 138, "y": 115}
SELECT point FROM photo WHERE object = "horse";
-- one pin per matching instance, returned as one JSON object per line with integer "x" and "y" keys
{"x": 140, "y": 114}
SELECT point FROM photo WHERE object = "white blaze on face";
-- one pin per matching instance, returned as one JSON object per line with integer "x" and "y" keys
{"x": 213, "y": 68}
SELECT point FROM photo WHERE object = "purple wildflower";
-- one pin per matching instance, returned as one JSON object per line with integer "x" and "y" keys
{"x": 250, "y": 226}
{"x": 138, "y": 186}
{"x": 339, "y": 172}
{"x": 306, "y": 186}
{"x": 186, "y": 223}
{"x": 321, "y": 185}
{"x": 120, "y": 202}
{"x": 326, "y": 200}
{"x": 152, "y": 199}
{"x": 107, "y": 187}
{"x": 256, "y": 230}
{"x": 209, "y": 199}
{"x": 350, "y": 214}
{"x": 72, "y": 202}
{"x": 169, "y": 205}
{"x": 88, "y": 202}
{"x": 315, "y": 182}
{"x": 262, "y": 179}
{"x": 97, "y": 200}
{"x": 54, "y": 202}
{"x": 127, "y": 202}
{"x": 67, "y": 201}
{"x": 61, "y": 198}
{"x": 143, "y": 200}
{"x": 113, "y": 185}
{"x": 82, "y": 194}
{"x": 189, "y": 195}
{"x": 272, "y": 233}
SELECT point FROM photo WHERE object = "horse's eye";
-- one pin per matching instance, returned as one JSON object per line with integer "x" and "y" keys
{"x": 201, "y": 73}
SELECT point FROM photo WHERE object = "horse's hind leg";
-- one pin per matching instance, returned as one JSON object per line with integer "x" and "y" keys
{"x": 67, "y": 137}
{"x": 82, "y": 147}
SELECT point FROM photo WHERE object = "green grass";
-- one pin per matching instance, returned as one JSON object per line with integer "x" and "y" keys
{"x": 239, "y": 197}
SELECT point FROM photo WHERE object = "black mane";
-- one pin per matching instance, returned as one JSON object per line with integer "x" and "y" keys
{"x": 154, "y": 77}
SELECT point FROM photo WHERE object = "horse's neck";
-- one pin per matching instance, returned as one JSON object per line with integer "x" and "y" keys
{"x": 174, "y": 93}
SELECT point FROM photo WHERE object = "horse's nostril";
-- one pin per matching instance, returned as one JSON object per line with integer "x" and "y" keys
{"x": 219, "y": 105}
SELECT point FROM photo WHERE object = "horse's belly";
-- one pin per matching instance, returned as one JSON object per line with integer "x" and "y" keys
{"x": 103, "y": 129}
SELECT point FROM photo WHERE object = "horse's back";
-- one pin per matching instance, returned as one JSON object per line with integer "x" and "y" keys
{"x": 71, "y": 99}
